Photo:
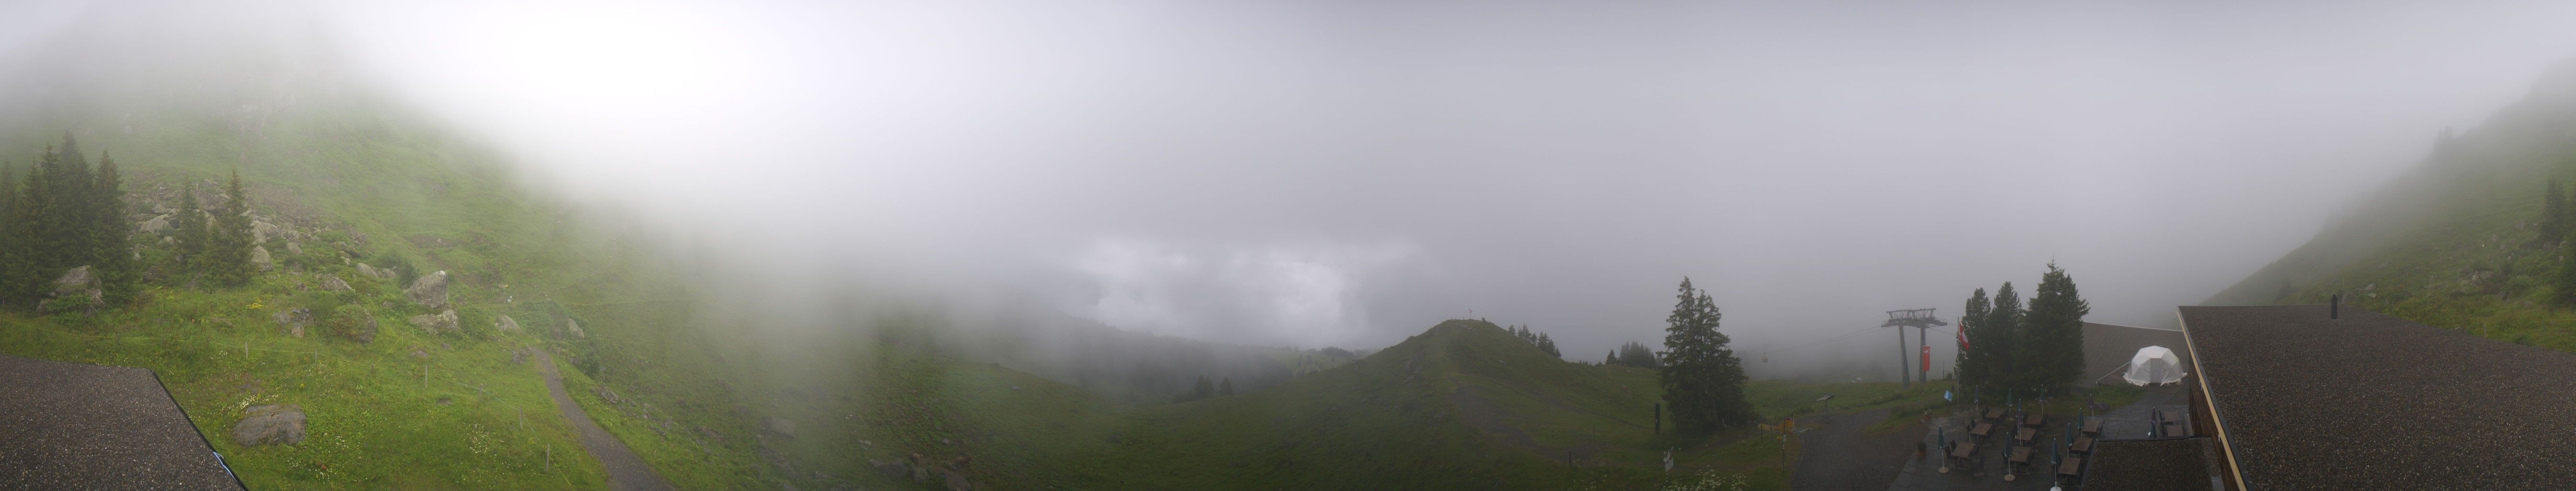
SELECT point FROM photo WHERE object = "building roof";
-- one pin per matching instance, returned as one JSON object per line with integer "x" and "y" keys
{"x": 2170, "y": 464}
{"x": 79, "y": 426}
{"x": 2107, "y": 347}
{"x": 2376, "y": 402}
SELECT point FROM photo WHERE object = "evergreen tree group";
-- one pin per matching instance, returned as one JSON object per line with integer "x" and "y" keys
{"x": 227, "y": 246}
{"x": 2033, "y": 350}
{"x": 1535, "y": 338}
{"x": 64, "y": 214}
{"x": 1703, "y": 381}
{"x": 1633, "y": 354}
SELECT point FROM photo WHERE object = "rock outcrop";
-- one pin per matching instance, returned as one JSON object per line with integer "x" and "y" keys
{"x": 259, "y": 231}
{"x": 506, "y": 324}
{"x": 273, "y": 423}
{"x": 259, "y": 257}
{"x": 574, "y": 328}
{"x": 76, "y": 289}
{"x": 430, "y": 290}
{"x": 155, "y": 225}
{"x": 332, "y": 283}
{"x": 434, "y": 324}
{"x": 294, "y": 249}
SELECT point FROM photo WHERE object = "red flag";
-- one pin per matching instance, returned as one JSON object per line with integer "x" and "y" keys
{"x": 1963, "y": 335}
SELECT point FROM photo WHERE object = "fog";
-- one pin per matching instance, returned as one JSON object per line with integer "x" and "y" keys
{"x": 1350, "y": 173}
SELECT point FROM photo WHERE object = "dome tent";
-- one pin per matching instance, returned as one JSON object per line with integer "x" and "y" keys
{"x": 2154, "y": 365}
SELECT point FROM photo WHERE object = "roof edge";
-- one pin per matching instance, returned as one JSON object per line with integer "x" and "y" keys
{"x": 2217, "y": 421}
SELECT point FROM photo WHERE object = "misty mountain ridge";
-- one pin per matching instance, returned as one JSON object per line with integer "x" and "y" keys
{"x": 2455, "y": 242}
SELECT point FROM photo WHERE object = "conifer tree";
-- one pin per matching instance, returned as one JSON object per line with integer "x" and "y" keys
{"x": 1548, "y": 345}
{"x": 1225, "y": 387}
{"x": 117, "y": 272}
{"x": 16, "y": 265}
{"x": 188, "y": 231}
{"x": 1975, "y": 365}
{"x": 1702, "y": 379}
{"x": 1203, "y": 389}
{"x": 228, "y": 247}
{"x": 1613, "y": 359}
{"x": 2055, "y": 323}
{"x": 2003, "y": 329}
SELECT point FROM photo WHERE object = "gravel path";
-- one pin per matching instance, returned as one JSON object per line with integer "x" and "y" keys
{"x": 626, "y": 472}
{"x": 1839, "y": 455}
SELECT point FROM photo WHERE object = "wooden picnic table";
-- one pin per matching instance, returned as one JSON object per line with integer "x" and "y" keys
{"x": 1981, "y": 430}
{"x": 2020, "y": 458}
{"x": 2093, "y": 426}
{"x": 2082, "y": 445}
{"x": 1965, "y": 450}
{"x": 1995, "y": 413}
{"x": 2026, "y": 435}
{"x": 2072, "y": 468}
{"x": 2034, "y": 419}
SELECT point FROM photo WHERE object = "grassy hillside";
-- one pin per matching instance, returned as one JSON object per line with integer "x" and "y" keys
{"x": 2454, "y": 243}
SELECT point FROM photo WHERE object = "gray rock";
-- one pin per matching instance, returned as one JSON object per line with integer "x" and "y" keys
{"x": 778, "y": 426}
{"x": 574, "y": 328}
{"x": 274, "y": 423}
{"x": 259, "y": 232}
{"x": 506, "y": 324}
{"x": 430, "y": 289}
{"x": 75, "y": 281}
{"x": 294, "y": 249}
{"x": 155, "y": 225}
{"x": 76, "y": 289}
{"x": 294, "y": 320}
{"x": 434, "y": 324}
{"x": 332, "y": 283}
{"x": 365, "y": 331}
{"x": 259, "y": 256}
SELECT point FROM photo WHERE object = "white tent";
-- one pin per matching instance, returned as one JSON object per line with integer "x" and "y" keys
{"x": 2154, "y": 365}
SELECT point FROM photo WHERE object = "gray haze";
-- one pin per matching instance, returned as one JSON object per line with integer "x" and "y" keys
{"x": 1350, "y": 173}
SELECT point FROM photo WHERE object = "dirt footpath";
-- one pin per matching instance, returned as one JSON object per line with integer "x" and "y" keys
{"x": 1838, "y": 456}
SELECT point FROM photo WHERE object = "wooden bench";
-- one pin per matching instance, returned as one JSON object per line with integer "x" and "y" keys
{"x": 2083, "y": 445}
{"x": 2093, "y": 426}
{"x": 2024, "y": 436}
{"x": 2071, "y": 470}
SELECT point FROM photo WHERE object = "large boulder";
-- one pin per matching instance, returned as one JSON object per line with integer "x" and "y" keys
{"x": 153, "y": 226}
{"x": 430, "y": 289}
{"x": 506, "y": 324}
{"x": 272, "y": 423}
{"x": 294, "y": 249}
{"x": 361, "y": 329}
{"x": 76, "y": 289}
{"x": 778, "y": 426}
{"x": 259, "y": 232}
{"x": 443, "y": 322}
{"x": 574, "y": 327}
{"x": 259, "y": 257}
{"x": 295, "y": 320}
{"x": 370, "y": 271}
{"x": 332, "y": 283}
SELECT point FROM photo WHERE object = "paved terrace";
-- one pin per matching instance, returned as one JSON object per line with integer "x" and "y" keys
{"x": 77, "y": 426}
{"x": 2376, "y": 402}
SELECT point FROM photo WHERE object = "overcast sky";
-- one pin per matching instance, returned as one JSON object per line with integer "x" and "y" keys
{"x": 1350, "y": 173}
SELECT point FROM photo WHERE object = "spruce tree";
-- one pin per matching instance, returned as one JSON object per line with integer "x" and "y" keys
{"x": 188, "y": 231}
{"x": 228, "y": 249}
{"x": 1975, "y": 364}
{"x": 2003, "y": 325}
{"x": 1613, "y": 359}
{"x": 2056, "y": 326}
{"x": 1225, "y": 387}
{"x": 117, "y": 272}
{"x": 1203, "y": 389}
{"x": 1547, "y": 345}
{"x": 1703, "y": 381}
{"x": 16, "y": 265}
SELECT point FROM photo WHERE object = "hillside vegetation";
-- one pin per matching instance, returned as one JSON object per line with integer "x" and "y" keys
{"x": 2456, "y": 242}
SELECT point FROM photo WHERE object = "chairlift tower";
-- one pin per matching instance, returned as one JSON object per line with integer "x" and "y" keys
{"x": 1922, "y": 321}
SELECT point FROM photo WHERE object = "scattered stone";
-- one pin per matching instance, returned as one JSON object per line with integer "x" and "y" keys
{"x": 372, "y": 272}
{"x": 430, "y": 289}
{"x": 506, "y": 324}
{"x": 155, "y": 225}
{"x": 893, "y": 469}
{"x": 271, "y": 423}
{"x": 259, "y": 256}
{"x": 294, "y": 249}
{"x": 519, "y": 356}
{"x": 416, "y": 352}
{"x": 364, "y": 331}
{"x": 294, "y": 320}
{"x": 574, "y": 328}
{"x": 332, "y": 283}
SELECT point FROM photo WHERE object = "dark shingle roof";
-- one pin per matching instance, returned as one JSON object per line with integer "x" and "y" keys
{"x": 2107, "y": 347}
{"x": 2376, "y": 402}
{"x": 2172, "y": 464}
{"x": 77, "y": 426}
